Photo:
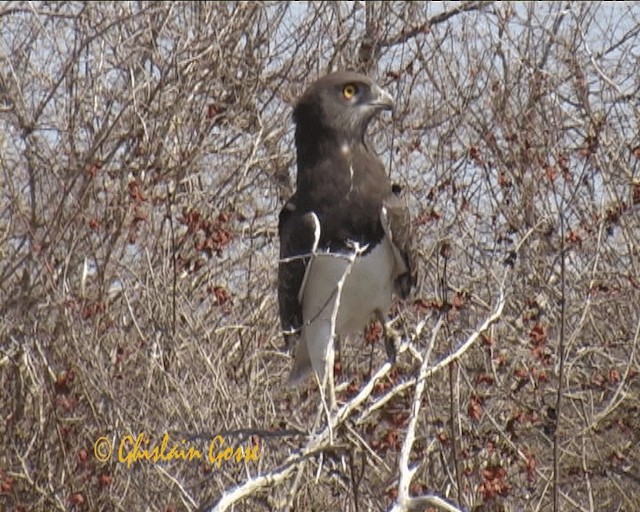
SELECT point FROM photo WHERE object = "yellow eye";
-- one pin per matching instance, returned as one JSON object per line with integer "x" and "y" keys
{"x": 349, "y": 91}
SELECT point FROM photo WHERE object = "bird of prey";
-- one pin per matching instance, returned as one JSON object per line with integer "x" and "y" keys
{"x": 345, "y": 235}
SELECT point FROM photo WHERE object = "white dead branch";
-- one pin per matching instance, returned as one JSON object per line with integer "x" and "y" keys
{"x": 405, "y": 502}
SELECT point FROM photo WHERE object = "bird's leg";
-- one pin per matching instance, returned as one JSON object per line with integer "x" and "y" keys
{"x": 390, "y": 337}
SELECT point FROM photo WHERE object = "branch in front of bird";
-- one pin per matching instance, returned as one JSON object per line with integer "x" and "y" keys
{"x": 339, "y": 255}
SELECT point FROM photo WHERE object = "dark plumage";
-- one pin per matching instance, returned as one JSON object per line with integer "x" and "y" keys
{"x": 343, "y": 196}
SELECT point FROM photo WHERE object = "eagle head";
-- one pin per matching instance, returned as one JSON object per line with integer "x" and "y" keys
{"x": 340, "y": 106}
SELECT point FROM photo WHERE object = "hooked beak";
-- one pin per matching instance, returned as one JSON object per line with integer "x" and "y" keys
{"x": 382, "y": 99}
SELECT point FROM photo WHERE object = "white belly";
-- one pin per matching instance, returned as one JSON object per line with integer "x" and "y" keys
{"x": 367, "y": 288}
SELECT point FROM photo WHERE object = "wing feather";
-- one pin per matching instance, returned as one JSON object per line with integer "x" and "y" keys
{"x": 396, "y": 221}
{"x": 299, "y": 233}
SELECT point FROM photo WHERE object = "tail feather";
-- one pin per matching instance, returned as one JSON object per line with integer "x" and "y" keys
{"x": 301, "y": 364}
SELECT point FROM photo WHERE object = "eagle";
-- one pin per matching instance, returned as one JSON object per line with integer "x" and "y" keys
{"x": 345, "y": 234}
